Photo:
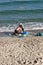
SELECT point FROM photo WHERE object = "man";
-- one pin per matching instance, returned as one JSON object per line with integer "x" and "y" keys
{"x": 18, "y": 30}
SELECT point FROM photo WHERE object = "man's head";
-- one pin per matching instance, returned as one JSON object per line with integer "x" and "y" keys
{"x": 20, "y": 24}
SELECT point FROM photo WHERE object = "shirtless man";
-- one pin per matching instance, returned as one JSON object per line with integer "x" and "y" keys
{"x": 18, "y": 30}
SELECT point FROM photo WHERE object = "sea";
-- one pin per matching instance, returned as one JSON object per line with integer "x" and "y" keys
{"x": 27, "y": 12}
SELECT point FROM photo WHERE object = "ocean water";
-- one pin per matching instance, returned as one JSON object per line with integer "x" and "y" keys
{"x": 29, "y": 12}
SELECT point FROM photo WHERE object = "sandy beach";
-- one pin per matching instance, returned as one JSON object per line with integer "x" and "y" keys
{"x": 21, "y": 51}
{"x": 25, "y": 17}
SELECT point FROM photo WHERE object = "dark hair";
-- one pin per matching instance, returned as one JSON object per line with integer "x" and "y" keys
{"x": 21, "y": 27}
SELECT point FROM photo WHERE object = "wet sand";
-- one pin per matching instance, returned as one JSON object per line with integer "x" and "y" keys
{"x": 5, "y": 34}
{"x": 21, "y": 51}
{"x": 35, "y": 31}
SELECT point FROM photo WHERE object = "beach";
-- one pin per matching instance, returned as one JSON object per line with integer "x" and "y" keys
{"x": 21, "y": 51}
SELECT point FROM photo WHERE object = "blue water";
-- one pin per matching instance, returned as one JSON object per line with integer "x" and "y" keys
{"x": 21, "y": 10}
{"x": 14, "y": 11}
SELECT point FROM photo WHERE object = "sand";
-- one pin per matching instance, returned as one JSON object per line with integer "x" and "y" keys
{"x": 21, "y": 51}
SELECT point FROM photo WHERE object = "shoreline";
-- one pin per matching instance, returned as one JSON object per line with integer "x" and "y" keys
{"x": 30, "y": 32}
{"x": 25, "y": 30}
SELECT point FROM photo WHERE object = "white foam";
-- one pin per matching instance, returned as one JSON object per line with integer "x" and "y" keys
{"x": 27, "y": 26}
{"x": 37, "y": 28}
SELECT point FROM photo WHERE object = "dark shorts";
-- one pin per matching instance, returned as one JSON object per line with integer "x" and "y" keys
{"x": 15, "y": 32}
